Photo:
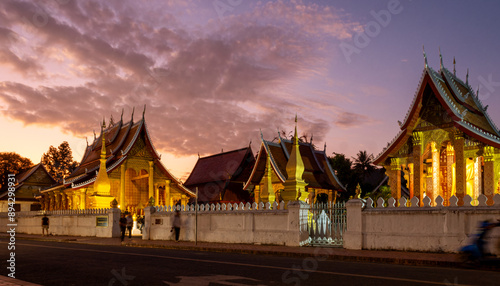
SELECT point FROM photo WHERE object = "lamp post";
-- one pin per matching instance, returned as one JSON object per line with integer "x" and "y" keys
{"x": 196, "y": 219}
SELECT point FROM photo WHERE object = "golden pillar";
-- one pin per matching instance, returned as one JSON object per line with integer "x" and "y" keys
{"x": 411, "y": 182}
{"x": 477, "y": 177}
{"x": 150, "y": 180}
{"x": 395, "y": 179}
{"x": 122, "y": 186}
{"x": 57, "y": 198}
{"x": 460, "y": 160}
{"x": 157, "y": 194}
{"x": 418, "y": 166}
{"x": 256, "y": 194}
{"x": 489, "y": 173}
{"x": 83, "y": 199}
{"x": 450, "y": 158}
{"x": 184, "y": 200}
{"x": 167, "y": 193}
{"x": 267, "y": 193}
{"x": 435, "y": 172}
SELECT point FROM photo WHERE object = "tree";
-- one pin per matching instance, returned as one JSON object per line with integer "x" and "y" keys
{"x": 59, "y": 161}
{"x": 345, "y": 173}
{"x": 363, "y": 163}
{"x": 12, "y": 163}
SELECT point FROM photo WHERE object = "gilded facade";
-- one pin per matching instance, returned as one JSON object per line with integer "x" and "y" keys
{"x": 132, "y": 167}
{"x": 447, "y": 144}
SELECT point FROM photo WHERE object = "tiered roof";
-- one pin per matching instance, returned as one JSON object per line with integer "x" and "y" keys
{"x": 119, "y": 138}
{"x": 221, "y": 176}
{"x": 42, "y": 179}
{"x": 318, "y": 172}
{"x": 461, "y": 103}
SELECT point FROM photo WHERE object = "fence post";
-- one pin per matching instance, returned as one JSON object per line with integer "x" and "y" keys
{"x": 114, "y": 222}
{"x": 353, "y": 238}
{"x": 296, "y": 210}
{"x": 146, "y": 231}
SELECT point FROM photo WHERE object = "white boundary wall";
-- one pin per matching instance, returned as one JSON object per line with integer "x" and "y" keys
{"x": 232, "y": 224}
{"x": 435, "y": 229}
{"x": 68, "y": 222}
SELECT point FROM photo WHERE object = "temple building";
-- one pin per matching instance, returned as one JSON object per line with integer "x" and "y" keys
{"x": 447, "y": 144}
{"x": 121, "y": 166}
{"x": 220, "y": 177}
{"x": 292, "y": 170}
{"x": 28, "y": 184}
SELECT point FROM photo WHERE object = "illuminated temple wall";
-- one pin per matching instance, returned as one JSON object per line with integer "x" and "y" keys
{"x": 450, "y": 165}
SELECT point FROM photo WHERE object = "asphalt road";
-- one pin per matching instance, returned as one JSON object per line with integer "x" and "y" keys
{"x": 53, "y": 263}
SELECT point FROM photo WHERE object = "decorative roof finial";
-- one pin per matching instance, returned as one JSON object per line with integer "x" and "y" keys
{"x": 94, "y": 134}
{"x": 311, "y": 138}
{"x": 324, "y": 148}
{"x": 261, "y": 135}
{"x": 121, "y": 116}
{"x": 132, "y": 119}
{"x": 467, "y": 78}
{"x": 103, "y": 123}
{"x": 425, "y": 57}
{"x": 144, "y": 111}
{"x": 454, "y": 63}
{"x": 295, "y": 138}
{"x": 440, "y": 59}
{"x": 87, "y": 140}
{"x": 477, "y": 93}
{"x": 198, "y": 155}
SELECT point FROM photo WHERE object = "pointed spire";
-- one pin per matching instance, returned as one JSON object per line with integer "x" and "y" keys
{"x": 324, "y": 148}
{"x": 425, "y": 57}
{"x": 144, "y": 111}
{"x": 467, "y": 77}
{"x": 295, "y": 138}
{"x": 103, "y": 141}
{"x": 261, "y": 135}
{"x": 440, "y": 59}
{"x": 454, "y": 70}
{"x": 103, "y": 123}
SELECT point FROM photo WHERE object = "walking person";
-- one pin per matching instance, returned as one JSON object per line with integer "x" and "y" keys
{"x": 130, "y": 223}
{"x": 45, "y": 225}
{"x": 123, "y": 225}
{"x": 176, "y": 224}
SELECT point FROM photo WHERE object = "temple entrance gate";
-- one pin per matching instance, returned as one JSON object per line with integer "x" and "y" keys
{"x": 326, "y": 224}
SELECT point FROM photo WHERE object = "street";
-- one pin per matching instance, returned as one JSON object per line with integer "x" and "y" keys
{"x": 55, "y": 263}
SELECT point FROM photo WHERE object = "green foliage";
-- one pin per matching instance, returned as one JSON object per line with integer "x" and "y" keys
{"x": 12, "y": 163}
{"x": 351, "y": 173}
{"x": 59, "y": 161}
{"x": 383, "y": 192}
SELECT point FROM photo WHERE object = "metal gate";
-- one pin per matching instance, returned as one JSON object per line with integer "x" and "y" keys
{"x": 327, "y": 223}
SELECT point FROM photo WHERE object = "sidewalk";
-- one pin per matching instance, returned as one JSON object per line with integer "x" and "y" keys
{"x": 393, "y": 257}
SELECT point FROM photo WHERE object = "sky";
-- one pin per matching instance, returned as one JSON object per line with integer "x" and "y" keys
{"x": 212, "y": 74}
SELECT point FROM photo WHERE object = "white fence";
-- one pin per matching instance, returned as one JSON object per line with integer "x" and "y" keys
{"x": 91, "y": 222}
{"x": 231, "y": 223}
{"x": 429, "y": 228}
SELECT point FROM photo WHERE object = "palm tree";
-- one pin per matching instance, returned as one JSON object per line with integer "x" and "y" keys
{"x": 363, "y": 163}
